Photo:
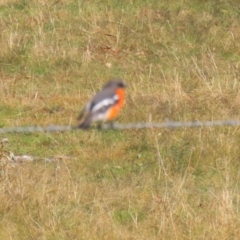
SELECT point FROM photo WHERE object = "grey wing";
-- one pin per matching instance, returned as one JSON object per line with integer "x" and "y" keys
{"x": 96, "y": 109}
{"x": 105, "y": 104}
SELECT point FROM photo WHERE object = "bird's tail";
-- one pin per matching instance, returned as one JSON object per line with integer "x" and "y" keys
{"x": 85, "y": 121}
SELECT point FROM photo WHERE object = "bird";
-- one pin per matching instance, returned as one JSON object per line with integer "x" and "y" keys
{"x": 105, "y": 104}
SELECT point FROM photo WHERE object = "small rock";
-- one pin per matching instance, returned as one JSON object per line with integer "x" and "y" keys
{"x": 23, "y": 158}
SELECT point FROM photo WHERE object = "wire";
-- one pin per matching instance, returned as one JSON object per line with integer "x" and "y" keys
{"x": 167, "y": 124}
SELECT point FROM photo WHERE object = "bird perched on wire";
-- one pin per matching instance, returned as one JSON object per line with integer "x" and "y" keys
{"x": 105, "y": 105}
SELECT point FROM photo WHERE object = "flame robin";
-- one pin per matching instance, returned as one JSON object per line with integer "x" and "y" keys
{"x": 105, "y": 105}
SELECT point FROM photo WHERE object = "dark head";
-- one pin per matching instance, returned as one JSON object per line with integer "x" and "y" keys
{"x": 118, "y": 83}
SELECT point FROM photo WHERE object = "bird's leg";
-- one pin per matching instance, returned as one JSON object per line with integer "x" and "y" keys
{"x": 111, "y": 125}
{"x": 99, "y": 126}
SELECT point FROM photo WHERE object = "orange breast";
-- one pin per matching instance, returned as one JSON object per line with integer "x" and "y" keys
{"x": 113, "y": 112}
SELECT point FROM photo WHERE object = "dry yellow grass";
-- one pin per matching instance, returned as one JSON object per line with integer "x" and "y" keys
{"x": 181, "y": 62}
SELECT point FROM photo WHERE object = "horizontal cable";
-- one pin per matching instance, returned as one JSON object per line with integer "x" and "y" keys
{"x": 172, "y": 124}
{"x": 167, "y": 124}
{"x": 31, "y": 129}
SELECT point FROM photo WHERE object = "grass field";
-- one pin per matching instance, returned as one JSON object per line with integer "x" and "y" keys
{"x": 181, "y": 62}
